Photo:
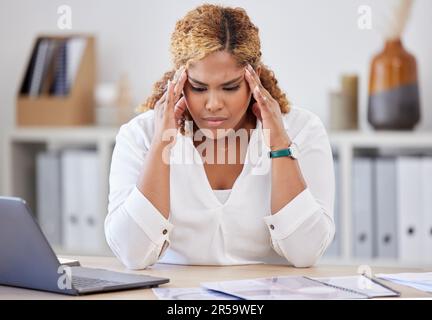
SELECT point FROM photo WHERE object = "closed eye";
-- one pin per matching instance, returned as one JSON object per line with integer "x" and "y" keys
{"x": 232, "y": 88}
{"x": 204, "y": 89}
{"x": 198, "y": 89}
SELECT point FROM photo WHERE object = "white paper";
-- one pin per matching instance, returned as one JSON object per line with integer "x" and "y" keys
{"x": 281, "y": 288}
{"x": 359, "y": 284}
{"x": 420, "y": 281}
{"x": 190, "y": 294}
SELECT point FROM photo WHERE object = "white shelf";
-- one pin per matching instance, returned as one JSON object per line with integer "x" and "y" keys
{"x": 346, "y": 144}
{"x": 374, "y": 262}
{"x": 23, "y": 143}
{"x": 85, "y": 134}
{"x": 396, "y": 139}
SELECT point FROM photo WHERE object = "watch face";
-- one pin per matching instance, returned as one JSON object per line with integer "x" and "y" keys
{"x": 294, "y": 150}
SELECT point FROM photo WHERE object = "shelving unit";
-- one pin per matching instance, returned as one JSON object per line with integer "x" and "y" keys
{"x": 22, "y": 145}
{"x": 348, "y": 144}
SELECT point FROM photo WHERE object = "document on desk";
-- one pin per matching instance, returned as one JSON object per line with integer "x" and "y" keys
{"x": 287, "y": 288}
{"x": 420, "y": 281}
{"x": 190, "y": 294}
{"x": 370, "y": 287}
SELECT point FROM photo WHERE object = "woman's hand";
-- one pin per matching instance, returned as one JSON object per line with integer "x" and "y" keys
{"x": 268, "y": 111}
{"x": 169, "y": 110}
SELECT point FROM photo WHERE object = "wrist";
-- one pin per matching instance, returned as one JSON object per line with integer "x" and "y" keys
{"x": 291, "y": 151}
{"x": 160, "y": 151}
{"x": 281, "y": 143}
{"x": 160, "y": 145}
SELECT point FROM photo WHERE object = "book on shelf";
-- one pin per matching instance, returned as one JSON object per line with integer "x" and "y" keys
{"x": 54, "y": 67}
{"x": 58, "y": 84}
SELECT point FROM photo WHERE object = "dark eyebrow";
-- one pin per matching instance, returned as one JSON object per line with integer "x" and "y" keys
{"x": 223, "y": 84}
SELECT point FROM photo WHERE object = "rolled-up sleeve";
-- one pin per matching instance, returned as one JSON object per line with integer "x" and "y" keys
{"x": 303, "y": 229}
{"x": 135, "y": 230}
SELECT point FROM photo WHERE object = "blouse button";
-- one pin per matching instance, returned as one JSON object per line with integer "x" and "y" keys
{"x": 165, "y": 231}
{"x": 272, "y": 227}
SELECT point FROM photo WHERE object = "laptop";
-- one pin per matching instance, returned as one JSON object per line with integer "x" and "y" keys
{"x": 28, "y": 261}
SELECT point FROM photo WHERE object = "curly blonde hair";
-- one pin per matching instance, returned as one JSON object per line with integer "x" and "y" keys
{"x": 211, "y": 28}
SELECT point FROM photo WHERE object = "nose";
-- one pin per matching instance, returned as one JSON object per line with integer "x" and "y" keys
{"x": 214, "y": 103}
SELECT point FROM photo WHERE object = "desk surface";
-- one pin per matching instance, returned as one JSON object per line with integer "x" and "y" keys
{"x": 191, "y": 276}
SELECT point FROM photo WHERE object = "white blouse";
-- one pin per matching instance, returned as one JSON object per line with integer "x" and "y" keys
{"x": 222, "y": 195}
{"x": 221, "y": 227}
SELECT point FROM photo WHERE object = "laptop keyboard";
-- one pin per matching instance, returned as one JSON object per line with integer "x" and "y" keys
{"x": 82, "y": 282}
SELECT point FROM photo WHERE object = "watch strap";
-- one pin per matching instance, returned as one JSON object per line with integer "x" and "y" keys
{"x": 280, "y": 153}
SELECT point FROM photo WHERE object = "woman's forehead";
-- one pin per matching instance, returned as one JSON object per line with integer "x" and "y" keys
{"x": 217, "y": 68}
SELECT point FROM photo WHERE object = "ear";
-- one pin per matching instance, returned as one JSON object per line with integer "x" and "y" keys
{"x": 258, "y": 71}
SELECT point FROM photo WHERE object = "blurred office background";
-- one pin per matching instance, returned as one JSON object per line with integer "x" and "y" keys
{"x": 321, "y": 53}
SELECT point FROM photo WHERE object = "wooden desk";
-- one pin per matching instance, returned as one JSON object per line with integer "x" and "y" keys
{"x": 191, "y": 276}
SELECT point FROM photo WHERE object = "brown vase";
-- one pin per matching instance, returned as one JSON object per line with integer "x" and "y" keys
{"x": 394, "y": 102}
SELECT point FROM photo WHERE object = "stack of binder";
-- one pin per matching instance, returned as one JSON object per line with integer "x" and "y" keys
{"x": 392, "y": 208}
{"x": 68, "y": 201}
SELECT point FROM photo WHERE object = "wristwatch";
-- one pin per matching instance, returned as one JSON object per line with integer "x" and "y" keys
{"x": 291, "y": 151}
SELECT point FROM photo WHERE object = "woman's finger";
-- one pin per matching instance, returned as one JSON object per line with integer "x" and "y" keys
{"x": 159, "y": 106}
{"x": 262, "y": 100}
{"x": 169, "y": 103}
{"x": 251, "y": 82}
{"x": 254, "y": 75}
{"x": 256, "y": 79}
{"x": 256, "y": 91}
{"x": 162, "y": 98}
{"x": 176, "y": 75}
{"x": 179, "y": 84}
{"x": 256, "y": 110}
{"x": 179, "y": 110}
{"x": 180, "y": 107}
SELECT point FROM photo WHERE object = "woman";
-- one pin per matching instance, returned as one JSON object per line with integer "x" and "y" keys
{"x": 192, "y": 180}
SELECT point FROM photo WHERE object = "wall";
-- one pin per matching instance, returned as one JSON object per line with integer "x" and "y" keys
{"x": 307, "y": 43}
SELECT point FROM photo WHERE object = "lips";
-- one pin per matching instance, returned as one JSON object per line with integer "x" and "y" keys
{"x": 214, "y": 121}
